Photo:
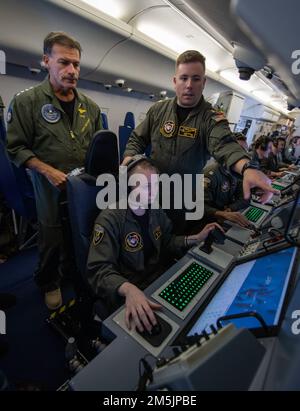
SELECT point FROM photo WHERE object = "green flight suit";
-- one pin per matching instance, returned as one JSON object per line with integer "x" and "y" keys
{"x": 222, "y": 190}
{"x": 116, "y": 253}
{"x": 184, "y": 148}
{"x": 38, "y": 127}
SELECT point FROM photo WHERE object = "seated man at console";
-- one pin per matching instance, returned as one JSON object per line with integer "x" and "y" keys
{"x": 223, "y": 195}
{"x": 274, "y": 162}
{"x": 130, "y": 246}
{"x": 261, "y": 153}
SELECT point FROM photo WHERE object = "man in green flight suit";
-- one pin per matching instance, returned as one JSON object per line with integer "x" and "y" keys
{"x": 50, "y": 127}
{"x": 130, "y": 248}
{"x": 223, "y": 195}
{"x": 185, "y": 131}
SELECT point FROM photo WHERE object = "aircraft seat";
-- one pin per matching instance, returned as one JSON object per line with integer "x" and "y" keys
{"x": 104, "y": 120}
{"x": 18, "y": 193}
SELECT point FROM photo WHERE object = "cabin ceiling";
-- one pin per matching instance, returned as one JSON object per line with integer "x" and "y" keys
{"x": 134, "y": 40}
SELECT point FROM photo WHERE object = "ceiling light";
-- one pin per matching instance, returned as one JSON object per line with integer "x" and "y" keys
{"x": 110, "y": 7}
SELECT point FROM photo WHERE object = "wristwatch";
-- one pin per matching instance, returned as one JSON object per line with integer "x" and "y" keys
{"x": 250, "y": 164}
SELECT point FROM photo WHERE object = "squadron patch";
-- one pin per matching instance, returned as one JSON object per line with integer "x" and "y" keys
{"x": 133, "y": 242}
{"x": 168, "y": 128}
{"x": 157, "y": 233}
{"x": 50, "y": 113}
{"x": 98, "y": 234}
{"x": 9, "y": 116}
{"x": 225, "y": 187}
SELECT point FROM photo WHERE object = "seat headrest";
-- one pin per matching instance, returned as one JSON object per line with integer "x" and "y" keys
{"x": 102, "y": 155}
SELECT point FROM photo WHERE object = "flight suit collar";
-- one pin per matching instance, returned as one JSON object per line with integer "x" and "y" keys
{"x": 80, "y": 102}
{"x": 153, "y": 224}
{"x": 195, "y": 110}
{"x": 48, "y": 90}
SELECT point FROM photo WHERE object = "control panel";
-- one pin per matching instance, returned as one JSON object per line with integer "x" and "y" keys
{"x": 256, "y": 213}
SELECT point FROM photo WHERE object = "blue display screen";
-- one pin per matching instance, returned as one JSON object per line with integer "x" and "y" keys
{"x": 259, "y": 285}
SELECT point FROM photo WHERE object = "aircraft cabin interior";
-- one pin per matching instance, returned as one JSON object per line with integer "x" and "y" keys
{"x": 70, "y": 116}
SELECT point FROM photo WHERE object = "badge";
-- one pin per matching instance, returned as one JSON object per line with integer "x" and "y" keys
{"x": 168, "y": 128}
{"x": 225, "y": 187}
{"x": 50, "y": 113}
{"x": 98, "y": 234}
{"x": 189, "y": 132}
{"x": 9, "y": 115}
{"x": 133, "y": 242}
{"x": 157, "y": 233}
{"x": 81, "y": 110}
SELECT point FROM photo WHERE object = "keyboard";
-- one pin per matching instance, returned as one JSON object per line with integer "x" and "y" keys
{"x": 186, "y": 286}
{"x": 254, "y": 214}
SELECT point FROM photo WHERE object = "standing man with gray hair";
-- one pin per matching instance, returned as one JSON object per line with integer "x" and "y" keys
{"x": 50, "y": 127}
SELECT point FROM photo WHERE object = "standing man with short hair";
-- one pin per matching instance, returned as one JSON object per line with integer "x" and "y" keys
{"x": 50, "y": 127}
{"x": 185, "y": 131}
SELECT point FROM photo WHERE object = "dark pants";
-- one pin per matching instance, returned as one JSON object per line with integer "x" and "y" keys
{"x": 53, "y": 248}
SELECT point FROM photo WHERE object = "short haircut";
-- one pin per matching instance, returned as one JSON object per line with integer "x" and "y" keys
{"x": 143, "y": 165}
{"x": 262, "y": 142}
{"x": 61, "y": 38}
{"x": 190, "y": 56}
{"x": 276, "y": 141}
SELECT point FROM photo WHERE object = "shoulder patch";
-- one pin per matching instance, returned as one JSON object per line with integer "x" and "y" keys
{"x": 98, "y": 234}
{"x": 157, "y": 233}
{"x": 9, "y": 115}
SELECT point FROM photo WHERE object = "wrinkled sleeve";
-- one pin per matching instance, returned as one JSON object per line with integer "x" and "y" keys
{"x": 209, "y": 190}
{"x": 103, "y": 270}
{"x": 20, "y": 131}
{"x": 220, "y": 142}
{"x": 239, "y": 202}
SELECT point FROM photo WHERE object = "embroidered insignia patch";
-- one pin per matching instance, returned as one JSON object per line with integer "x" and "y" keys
{"x": 157, "y": 233}
{"x": 98, "y": 234}
{"x": 225, "y": 187}
{"x": 50, "y": 113}
{"x": 133, "y": 242}
{"x": 168, "y": 128}
{"x": 187, "y": 132}
{"x": 9, "y": 115}
{"x": 81, "y": 110}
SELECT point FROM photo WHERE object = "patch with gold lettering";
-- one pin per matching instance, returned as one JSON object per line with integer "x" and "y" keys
{"x": 133, "y": 242}
{"x": 98, "y": 234}
{"x": 168, "y": 129}
{"x": 157, "y": 233}
{"x": 189, "y": 132}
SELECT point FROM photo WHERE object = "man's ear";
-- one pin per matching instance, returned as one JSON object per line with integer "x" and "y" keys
{"x": 45, "y": 60}
{"x": 174, "y": 81}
